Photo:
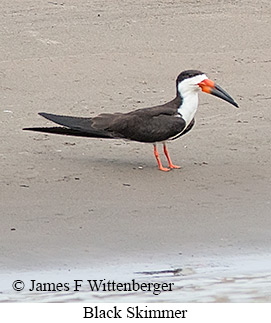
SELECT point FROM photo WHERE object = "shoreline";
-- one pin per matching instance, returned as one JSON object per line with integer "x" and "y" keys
{"x": 71, "y": 203}
{"x": 200, "y": 282}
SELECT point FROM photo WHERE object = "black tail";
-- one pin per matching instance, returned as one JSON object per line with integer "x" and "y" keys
{"x": 73, "y": 126}
{"x": 67, "y": 132}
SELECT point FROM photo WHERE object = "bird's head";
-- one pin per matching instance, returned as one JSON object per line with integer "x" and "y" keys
{"x": 192, "y": 81}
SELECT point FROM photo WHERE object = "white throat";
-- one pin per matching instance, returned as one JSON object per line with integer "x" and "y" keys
{"x": 188, "y": 89}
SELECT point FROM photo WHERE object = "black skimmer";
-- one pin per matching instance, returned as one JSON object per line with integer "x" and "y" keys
{"x": 150, "y": 125}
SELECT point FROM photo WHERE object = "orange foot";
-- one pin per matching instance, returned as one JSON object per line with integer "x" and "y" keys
{"x": 164, "y": 169}
{"x": 174, "y": 166}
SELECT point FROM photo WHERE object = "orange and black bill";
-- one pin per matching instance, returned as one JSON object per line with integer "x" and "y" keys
{"x": 210, "y": 87}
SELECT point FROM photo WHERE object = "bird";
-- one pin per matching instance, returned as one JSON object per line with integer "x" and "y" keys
{"x": 158, "y": 124}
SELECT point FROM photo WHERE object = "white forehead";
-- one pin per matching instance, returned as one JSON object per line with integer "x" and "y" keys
{"x": 188, "y": 84}
{"x": 195, "y": 79}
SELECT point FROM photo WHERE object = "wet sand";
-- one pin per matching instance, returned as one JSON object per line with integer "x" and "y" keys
{"x": 70, "y": 203}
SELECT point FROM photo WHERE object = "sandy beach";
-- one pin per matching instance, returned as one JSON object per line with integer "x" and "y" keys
{"x": 70, "y": 203}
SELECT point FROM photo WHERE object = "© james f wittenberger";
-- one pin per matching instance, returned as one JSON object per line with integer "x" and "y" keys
{"x": 95, "y": 285}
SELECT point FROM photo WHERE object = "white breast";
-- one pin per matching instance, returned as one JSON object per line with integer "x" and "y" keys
{"x": 189, "y": 107}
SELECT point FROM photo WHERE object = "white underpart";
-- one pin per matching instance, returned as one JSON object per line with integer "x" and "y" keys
{"x": 188, "y": 90}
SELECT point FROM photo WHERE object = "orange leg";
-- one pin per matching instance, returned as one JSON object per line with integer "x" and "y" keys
{"x": 159, "y": 161}
{"x": 170, "y": 165}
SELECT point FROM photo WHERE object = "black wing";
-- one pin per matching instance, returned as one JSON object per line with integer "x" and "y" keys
{"x": 146, "y": 125}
